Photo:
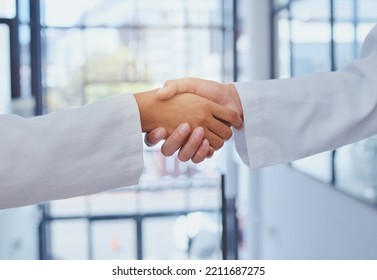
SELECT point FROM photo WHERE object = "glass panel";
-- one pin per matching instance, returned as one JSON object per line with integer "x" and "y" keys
{"x": 195, "y": 236}
{"x": 279, "y": 3}
{"x": 5, "y": 79}
{"x": 345, "y": 48}
{"x": 356, "y": 169}
{"x": 310, "y": 32}
{"x": 205, "y": 197}
{"x": 77, "y": 206}
{"x": 114, "y": 240}
{"x": 367, "y": 9}
{"x": 161, "y": 229}
{"x": 284, "y": 52}
{"x": 24, "y": 105}
{"x": 174, "y": 200}
{"x": 167, "y": 12}
{"x": 112, "y": 56}
{"x": 204, "y": 12}
{"x": 311, "y": 10}
{"x": 112, "y": 13}
{"x": 181, "y": 199}
{"x": 195, "y": 53}
{"x": 69, "y": 240}
{"x": 344, "y": 10}
{"x": 362, "y": 31}
{"x": 62, "y": 67}
{"x": 7, "y": 8}
{"x": 65, "y": 13}
{"x": 309, "y": 38}
{"x": 115, "y": 202}
{"x": 24, "y": 11}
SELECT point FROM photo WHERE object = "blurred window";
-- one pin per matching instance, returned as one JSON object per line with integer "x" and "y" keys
{"x": 333, "y": 30}
{"x": 96, "y": 49}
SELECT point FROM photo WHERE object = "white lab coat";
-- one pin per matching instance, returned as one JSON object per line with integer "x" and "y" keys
{"x": 70, "y": 153}
{"x": 289, "y": 119}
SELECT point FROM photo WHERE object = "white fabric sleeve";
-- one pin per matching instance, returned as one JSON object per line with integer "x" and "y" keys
{"x": 70, "y": 153}
{"x": 289, "y": 119}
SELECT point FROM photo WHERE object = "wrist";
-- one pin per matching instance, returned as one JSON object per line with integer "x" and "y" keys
{"x": 145, "y": 103}
{"x": 233, "y": 93}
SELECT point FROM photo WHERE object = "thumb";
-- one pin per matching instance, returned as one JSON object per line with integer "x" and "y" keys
{"x": 177, "y": 86}
{"x": 166, "y": 92}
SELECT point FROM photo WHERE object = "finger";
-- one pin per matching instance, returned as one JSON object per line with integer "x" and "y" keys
{"x": 155, "y": 136}
{"x": 202, "y": 152}
{"x": 214, "y": 140}
{"x": 220, "y": 129}
{"x": 192, "y": 145}
{"x": 237, "y": 123}
{"x": 176, "y": 139}
{"x": 225, "y": 114}
{"x": 211, "y": 152}
{"x": 177, "y": 86}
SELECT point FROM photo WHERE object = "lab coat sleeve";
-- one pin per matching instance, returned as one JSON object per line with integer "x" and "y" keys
{"x": 289, "y": 119}
{"x": 75, "y": 152}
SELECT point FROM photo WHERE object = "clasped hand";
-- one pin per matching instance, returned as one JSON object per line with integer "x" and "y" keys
{"x": 193, "y": 115}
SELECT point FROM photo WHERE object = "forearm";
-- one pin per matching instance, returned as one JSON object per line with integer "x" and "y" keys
{"x": 75, "y": 152}
{"x": 293, "y": 118}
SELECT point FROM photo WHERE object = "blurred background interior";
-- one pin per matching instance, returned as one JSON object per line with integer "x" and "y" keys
{"x": 59, "y": 54}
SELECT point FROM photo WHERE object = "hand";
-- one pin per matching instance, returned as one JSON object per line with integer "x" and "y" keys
{"x": 195, "y": 110}
{"x": 223, "y": 94}
{"x": 196, "y": 148}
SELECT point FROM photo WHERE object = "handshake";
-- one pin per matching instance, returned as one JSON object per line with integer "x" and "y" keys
{"x": 193, "y": 115}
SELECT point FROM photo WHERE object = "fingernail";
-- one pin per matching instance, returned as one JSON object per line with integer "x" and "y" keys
{"x": 205, "y": 144}
{"x": 184, "y": 128}
{"x": 199, "y": 132}
{"x": 162, "y": 90}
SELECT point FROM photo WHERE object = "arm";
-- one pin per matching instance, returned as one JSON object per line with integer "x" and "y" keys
{"x": 293, "y": 118}
{"x": 96, "y": 147}
{"x": 70, "y": 153}
{"x": 288, "y": 119}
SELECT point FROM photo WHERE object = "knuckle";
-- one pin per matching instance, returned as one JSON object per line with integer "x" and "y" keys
{"x": 167, "y": 150}
{"x": 183, "y": 157}
{"x": 197, "y": 159}
{"x": 218, "y": 144}
{"x": 228, "y": 134}
{"x": 233, "y": 116}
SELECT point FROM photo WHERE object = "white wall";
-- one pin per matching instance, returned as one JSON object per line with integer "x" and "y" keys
{"x": 301, "y": 218}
